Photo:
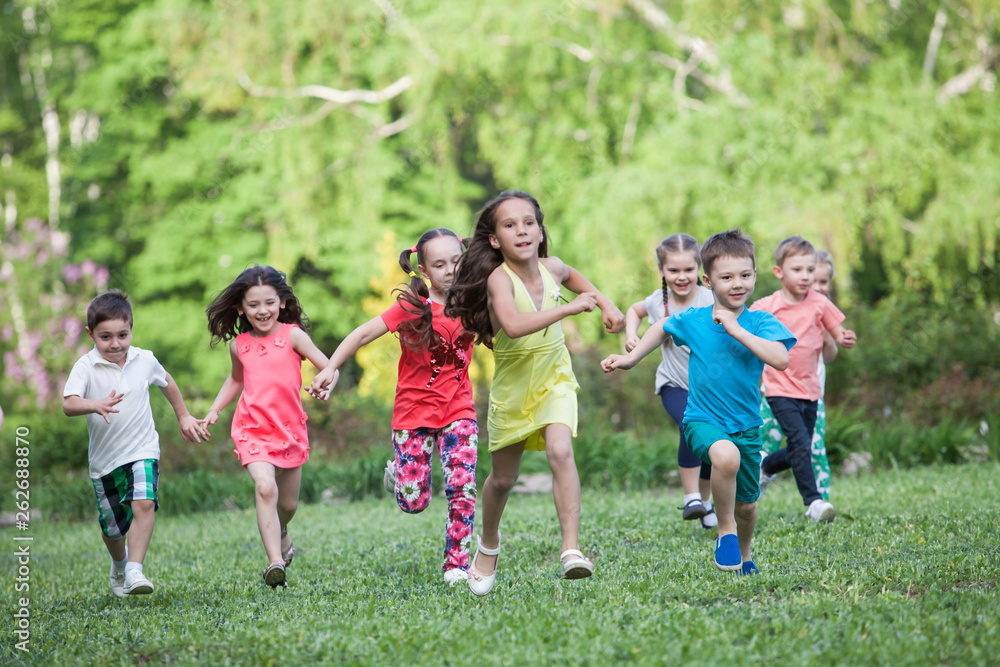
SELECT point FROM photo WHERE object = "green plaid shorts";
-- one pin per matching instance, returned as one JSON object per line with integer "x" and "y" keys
{"x": 116, "y": 491}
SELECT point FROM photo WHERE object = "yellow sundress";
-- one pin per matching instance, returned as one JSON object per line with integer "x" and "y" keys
{"x": 533, "y": 383}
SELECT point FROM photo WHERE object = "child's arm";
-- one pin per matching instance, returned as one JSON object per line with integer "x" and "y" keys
{"x": 231, "y": 388}
{"x": 830, "y": 348}
{"x": 191, "y": 428}
{"x": 575, "y": 281}
{"x": 75, "y": 406}
{"x": 500, "y": 292}
{"x": 633, "y": 318}
{"x": 652, "y": 339}
{"x": 302, "y": 343}
{"x": 844, "y": 337}
{"x": 771, "y": 352}
{"x": 326, "y": 379}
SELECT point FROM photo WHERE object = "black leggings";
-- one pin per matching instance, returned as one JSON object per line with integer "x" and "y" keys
{"x": 675, "y": 402}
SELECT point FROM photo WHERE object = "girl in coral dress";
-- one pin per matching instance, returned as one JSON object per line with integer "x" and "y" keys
{"x": 264, "y": 323}
{"x": 434, "y": 405}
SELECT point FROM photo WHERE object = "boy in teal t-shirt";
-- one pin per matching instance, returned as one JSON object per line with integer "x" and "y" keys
{"x": 729, "y": 347}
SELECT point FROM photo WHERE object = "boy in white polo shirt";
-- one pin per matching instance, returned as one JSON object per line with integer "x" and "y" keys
{"x": 110, "y": 385}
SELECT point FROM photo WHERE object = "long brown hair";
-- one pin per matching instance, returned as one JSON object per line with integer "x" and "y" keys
{"x": 225, "y": 321}
{"x": 467, "y": 297}
{"x": 414, "y": 298}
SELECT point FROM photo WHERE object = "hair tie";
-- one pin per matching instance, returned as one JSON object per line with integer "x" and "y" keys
{"x": 412, "y": 274}
{"x": 413, "y": 249}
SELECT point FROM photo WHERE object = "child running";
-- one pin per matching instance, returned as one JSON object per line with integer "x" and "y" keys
{"x": 678, "y": 259}
{"x": 265, "y": 322}
{"x": 793, "y": 396}
{"x": 124, "y": 452}
{"x": 507, "y": 292}
{"x": 434, "y": 404}
{"x": 730, "y": 346}
{"x": 771, "y": 433}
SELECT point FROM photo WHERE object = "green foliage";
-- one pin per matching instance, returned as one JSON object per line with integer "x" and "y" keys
{"x": 188, "y": 147}
{"x": 894, "y": 572}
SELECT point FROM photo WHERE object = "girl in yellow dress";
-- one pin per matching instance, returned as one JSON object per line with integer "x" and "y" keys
{"x": 506, "y": 290}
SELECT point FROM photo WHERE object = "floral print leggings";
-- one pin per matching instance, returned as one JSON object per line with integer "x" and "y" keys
{"x": 771, "y": 437}
{"x": 457, "y": 444}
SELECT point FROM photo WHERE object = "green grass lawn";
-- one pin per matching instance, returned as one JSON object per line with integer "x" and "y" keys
{"x": 907, "y": 575}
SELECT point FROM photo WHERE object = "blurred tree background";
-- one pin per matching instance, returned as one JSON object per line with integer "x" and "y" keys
{"x": 161, "y": 147}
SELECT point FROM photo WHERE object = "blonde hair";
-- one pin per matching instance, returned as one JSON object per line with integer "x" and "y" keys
{"x": 823, "y": 257}
{"x": 793, "y": 245}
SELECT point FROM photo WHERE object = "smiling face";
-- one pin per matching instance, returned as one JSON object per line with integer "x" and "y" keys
{"x": 440, "y": 257}
{"x": 732, "y": 281}
{"x": 680, "y": 270}
{"x": 796, "y": 274}
{"x": 517, "y": 234}
{"x": 824, "y": 274}
{"x": 261, "y": 305}
{"x": 112, "y": 338}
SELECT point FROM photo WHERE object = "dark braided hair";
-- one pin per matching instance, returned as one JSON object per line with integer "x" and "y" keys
{"x": 467, "y": 297}
{"x": 676, "y": 243}
{"x": 224, "y": 320}
{"x": 414, "y": 298}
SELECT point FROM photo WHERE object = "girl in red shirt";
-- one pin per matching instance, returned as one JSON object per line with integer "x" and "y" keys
{"x": 434, "y": 403}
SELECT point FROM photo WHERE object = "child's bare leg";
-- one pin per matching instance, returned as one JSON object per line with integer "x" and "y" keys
{"x": 704, "y": 488}
{"x": 565, "y": 482}
{"x": 690, "y": 481}
{"x": 266, "y": 491}
{"x": 506, "y": 466}
{"x": 115, "y": 547}
{"x": 746, "y": 521}
{"x": 289, "y": 480}
{"x": 141, "y": 531}
{"x": 725, "y": 464}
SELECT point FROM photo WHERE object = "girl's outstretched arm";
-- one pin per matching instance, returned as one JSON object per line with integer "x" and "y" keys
{"x": 652, "y": 339}
{"x": 634, "y": 316}
{"x": 326, "y": 379}
{"x": 231, "y": 388}
{"x": 575, "y": 281}
{"x": 500, "y": 291}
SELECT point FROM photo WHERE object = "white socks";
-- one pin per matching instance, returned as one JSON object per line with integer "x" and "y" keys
{"x": 688, "y": 497}
{"x": 120, "y": 564}
{"x": 133, "y": 566}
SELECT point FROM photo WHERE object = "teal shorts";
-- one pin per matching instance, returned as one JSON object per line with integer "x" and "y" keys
{"x": 702, "y": 435}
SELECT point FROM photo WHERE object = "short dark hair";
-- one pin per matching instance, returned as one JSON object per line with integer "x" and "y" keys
{"x": 790, "y": 247}
{"x": 733, "y": 243}
{"x": 112, "y": 305}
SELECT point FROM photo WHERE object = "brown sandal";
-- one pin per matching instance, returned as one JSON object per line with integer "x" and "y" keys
{"x": 274, "y": 574}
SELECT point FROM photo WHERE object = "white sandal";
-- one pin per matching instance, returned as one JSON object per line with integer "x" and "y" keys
{"x": 576, "y": 568}
{"x": 479, "y": 583}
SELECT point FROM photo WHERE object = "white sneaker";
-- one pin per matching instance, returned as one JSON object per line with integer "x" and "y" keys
{"x": 136, "y": 583}
{"x": 117, "y": 578}
{"x": 765, "y": 479}
{"x": 389, "y": 478}
{"x": 452, "y": 577}
{"x": 822, "y": 511}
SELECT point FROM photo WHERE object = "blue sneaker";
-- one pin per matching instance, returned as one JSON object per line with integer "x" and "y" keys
{"x": 727, "y": 553}
{"x": 749, "y": 567}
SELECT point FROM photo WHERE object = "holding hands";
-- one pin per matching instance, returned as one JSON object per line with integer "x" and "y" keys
{"x": 323, "y": 383}
{"x": 614, "y": 321}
